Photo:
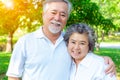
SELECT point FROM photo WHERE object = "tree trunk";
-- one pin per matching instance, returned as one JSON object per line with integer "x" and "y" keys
{"x": 9, "y": 44}
{"x": 97, "y": 45}
{"x": 102, "y": 35}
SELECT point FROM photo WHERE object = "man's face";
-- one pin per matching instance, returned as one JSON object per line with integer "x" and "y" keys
{"x": 55, "y": 17}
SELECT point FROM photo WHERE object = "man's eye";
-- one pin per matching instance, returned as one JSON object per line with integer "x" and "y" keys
{"x": 63, "y": 15}
{"x": 73, "y": 42}
{"x": 53, "y": 12}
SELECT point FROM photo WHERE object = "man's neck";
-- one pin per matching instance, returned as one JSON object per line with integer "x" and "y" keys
{"x": 52, "y": 37}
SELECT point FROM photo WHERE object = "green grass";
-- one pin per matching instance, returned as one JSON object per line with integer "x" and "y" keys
{"x": 4, "y": 60}
{"x": 113, "y": 53}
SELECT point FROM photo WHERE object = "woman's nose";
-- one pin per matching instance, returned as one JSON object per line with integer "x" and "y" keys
{"x": 77, "y": 46}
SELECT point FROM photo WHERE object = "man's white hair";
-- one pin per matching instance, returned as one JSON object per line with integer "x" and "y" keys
{"x": 45, "y": 4}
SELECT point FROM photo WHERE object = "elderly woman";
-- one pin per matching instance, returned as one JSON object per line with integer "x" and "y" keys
{"x": 80, "y": 40}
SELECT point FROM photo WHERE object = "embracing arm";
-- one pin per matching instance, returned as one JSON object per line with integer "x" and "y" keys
{"x": 111, "y": 68}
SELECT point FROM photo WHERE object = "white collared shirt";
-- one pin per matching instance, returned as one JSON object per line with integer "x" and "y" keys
{"x": 92, "y": 67}
{"x": 36, "y": 58}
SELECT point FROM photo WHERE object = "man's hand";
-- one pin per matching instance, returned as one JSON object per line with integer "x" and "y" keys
{"x": 111, "y": 68}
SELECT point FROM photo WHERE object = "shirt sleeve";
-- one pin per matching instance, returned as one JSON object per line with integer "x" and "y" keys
{"x": 100, "y": 74}
{"x": 16, "y": 65}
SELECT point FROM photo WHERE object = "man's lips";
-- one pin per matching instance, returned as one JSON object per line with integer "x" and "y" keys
{"x": 56, "y": 23}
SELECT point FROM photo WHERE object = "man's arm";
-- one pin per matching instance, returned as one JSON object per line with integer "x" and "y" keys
{"x": 13, "y": 78}
{"x": 111, "y": 68}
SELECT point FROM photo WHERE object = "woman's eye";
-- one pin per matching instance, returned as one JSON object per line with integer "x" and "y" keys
{"x": 82, "y": 43}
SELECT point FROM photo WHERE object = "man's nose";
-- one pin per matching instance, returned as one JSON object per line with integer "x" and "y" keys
{"x": 57, "y": 17}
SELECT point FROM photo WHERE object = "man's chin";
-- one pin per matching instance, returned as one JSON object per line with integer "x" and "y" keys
{"x": 54, "y": 31}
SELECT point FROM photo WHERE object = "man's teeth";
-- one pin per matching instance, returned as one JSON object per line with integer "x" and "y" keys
{"x": 56, "y": 24}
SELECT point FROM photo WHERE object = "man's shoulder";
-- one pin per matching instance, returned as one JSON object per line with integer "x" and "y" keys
{"x": 97, "y": 59}
{"x": 32, "y": 34}
{"x": 28, "y": 36}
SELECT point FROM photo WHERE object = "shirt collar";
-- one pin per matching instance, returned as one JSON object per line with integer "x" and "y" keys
{"x": 39, "y": 33}
{"x": 87, "y": 60}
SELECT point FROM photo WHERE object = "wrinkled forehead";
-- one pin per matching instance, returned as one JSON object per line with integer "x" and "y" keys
{"x": 57, "y": 6}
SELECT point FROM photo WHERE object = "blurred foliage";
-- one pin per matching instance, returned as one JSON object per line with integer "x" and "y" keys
{"x": 23, "y": 13}
{"x": 110, "y": 9}
{"x": 88, "y": 12}
{"x": 14, "y": 14}
{"x": 112, "y": 39}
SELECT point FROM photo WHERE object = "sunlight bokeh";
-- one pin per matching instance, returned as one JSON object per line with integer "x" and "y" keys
{"x": 8, "y": 4}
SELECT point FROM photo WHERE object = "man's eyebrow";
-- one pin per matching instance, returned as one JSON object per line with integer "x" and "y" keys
{"x": 61, "y": 12}
{"x": 64, "y": 12}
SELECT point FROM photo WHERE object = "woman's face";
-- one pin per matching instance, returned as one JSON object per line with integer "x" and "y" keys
{"x": 78, "y": 46}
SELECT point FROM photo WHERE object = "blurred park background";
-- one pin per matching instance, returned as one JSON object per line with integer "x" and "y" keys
{"x": 19, "y": 17}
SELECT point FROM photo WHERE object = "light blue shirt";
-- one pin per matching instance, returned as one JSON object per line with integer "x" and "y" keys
{"x": 92, "y": 67}
{"x": 36, "y": 58}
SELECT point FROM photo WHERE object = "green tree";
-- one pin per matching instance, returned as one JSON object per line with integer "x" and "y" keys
{"x": 110, "y": 9}
{"x": 88, "y": 12}
{"x": 22, "y": 14}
